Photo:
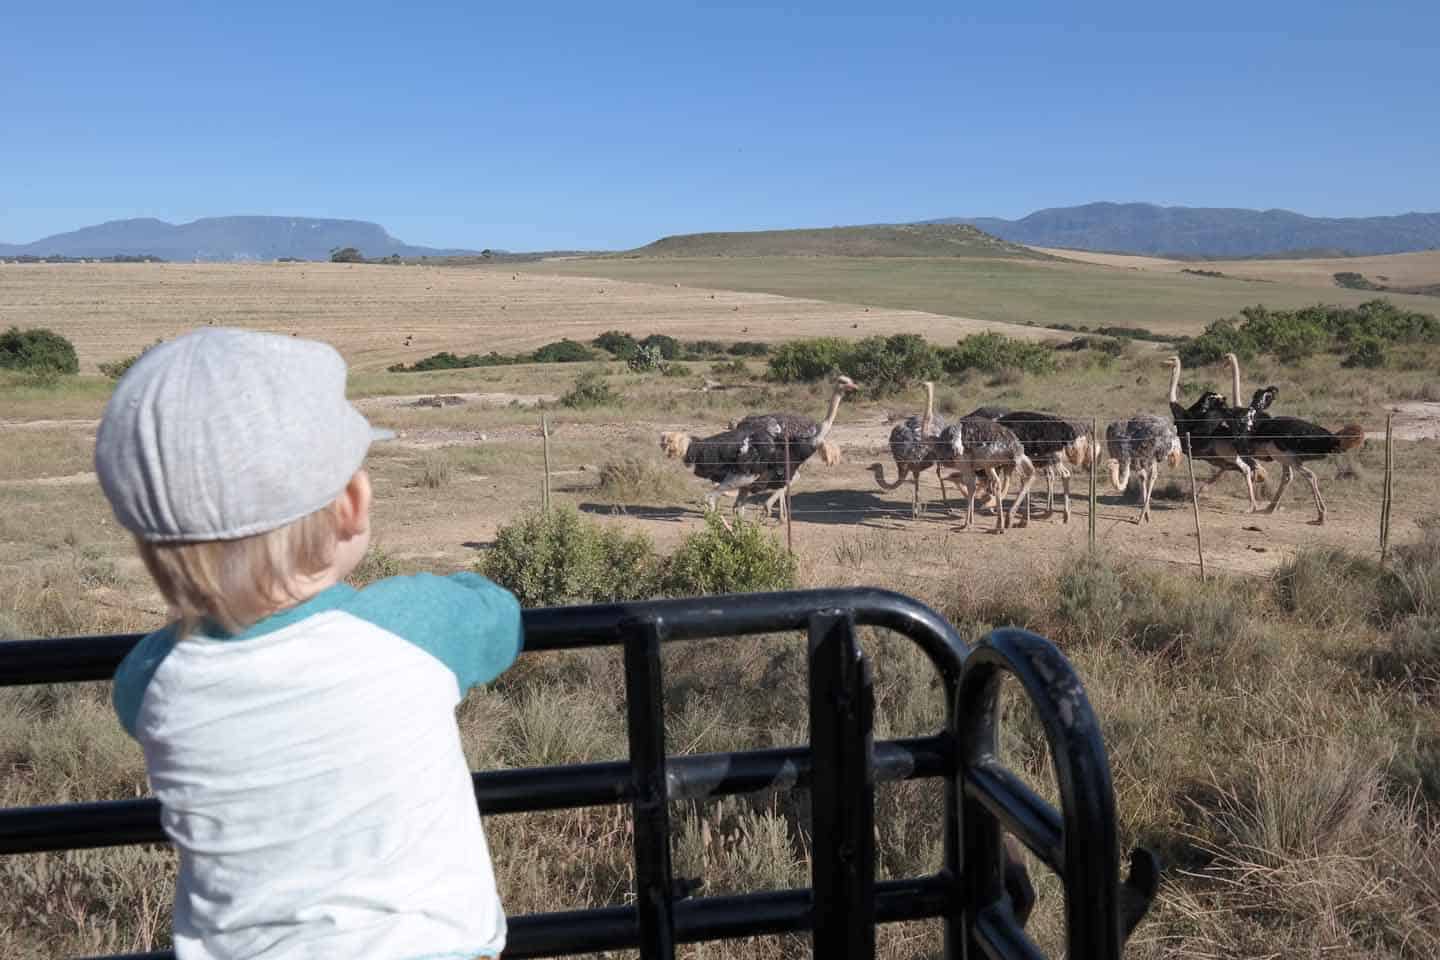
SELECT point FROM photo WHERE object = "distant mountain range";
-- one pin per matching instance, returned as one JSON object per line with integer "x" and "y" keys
{"x": 1210, "y": 231}
{"x": 224, "y": 239}
{"x": 880, "y": 240}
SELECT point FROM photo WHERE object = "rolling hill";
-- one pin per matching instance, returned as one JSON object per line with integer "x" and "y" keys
{"x": 223, "y": 239}
{"x": 1209, "y": 231}
{"x": 884, "y": 240}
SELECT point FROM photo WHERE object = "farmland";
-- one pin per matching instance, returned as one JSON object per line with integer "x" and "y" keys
{"x": 1273, "y": 731}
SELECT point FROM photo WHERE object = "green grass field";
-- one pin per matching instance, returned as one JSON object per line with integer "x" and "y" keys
{"x": 1039, "y": 293}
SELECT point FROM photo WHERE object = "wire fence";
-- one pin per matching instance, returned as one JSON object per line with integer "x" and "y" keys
{"x": 1366, "y": 492}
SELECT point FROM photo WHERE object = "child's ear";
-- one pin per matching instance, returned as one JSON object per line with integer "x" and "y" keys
{"x": 353, "y": 506}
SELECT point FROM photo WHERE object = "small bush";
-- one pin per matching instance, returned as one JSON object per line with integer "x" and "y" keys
{"x": 675, "y": 370}
{"x": 889, "y": 365}
{"x": 646, "y": 359}
{"x": 1414, "y": 654}
{"x": 37, "y": 351}
{"x": 435, "y": 470}
{"x": 731, "y": 368}
{"x": 377, "y": 564}
{"x": 808, "y": 360}
{"x": 634, "y": 480}
{"x": 1291, "y": 335}
{"x": 724, "y": 560}
{"x": 118, "y": 368}
{"x": 591, "y": 389}
{"x": 702, "y": 349}
{"x": 993, "y": 352}
{"x": 557, "y": 557}
{"x": 563, "y": 351}
{"x": 669, "y": 347}
{"x": 1366, "y": 352}
{"x": 749, "y": 348}
{"x": 1351, "y": 280}
{"x": 1327, "y": 586}
{"x": 617, "y": 343}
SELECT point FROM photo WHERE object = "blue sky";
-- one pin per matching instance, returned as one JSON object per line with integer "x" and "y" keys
{"x": 608, "y": 125}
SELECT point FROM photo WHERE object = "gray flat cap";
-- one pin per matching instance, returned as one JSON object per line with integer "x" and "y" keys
{"x": 223, "y": 433}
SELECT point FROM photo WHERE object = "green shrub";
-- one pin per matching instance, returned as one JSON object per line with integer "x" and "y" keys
{"x": 377, "y": 564}
{"x": 617, "y": 343}
{"x": 37, "y": 351}
{"x": 445, "y": 360}
{"x": 591, "y": 389}
{"x": 808, "y": 360}
{"x": 669, "y": 347}
{"x": 1354, "y": 281}
{"x": 118, "y": 368}
{"x": 1414, "y": 654}
{"x": 1291, "y": 335}
{"x": 563, "y": 351}
{"x": 718, "y": 559}
{"x": 646, "y": 359}
{"x": 993, "y": 352}
{"x": 346, "y": 255}
{"x": 702, "y": 349}
{"x": 637, "y": 480}
{"x": 557, "y": 557}
{"x": 889, "y": 365}
{"x": 749, "y": 348}
{"x": 1366, "y": 352}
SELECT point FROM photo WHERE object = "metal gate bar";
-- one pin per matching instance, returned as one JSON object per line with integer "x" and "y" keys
{"x": 983, "y": 799}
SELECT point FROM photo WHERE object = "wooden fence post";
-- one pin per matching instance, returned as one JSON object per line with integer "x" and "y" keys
{"x": 1094, "y": 459}
{"x": 1387, "y": 491}
{"x": 789, "y": 535}
{"x": 545, "y": 490}
{"x": 1195, "y": 506}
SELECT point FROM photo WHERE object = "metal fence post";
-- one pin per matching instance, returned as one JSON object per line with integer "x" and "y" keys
{"x": 645, "y": 717}
{"x": 842, "y": 791}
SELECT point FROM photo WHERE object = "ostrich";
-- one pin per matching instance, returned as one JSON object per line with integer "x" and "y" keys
{"x": 751, "y": 456}
{"x": 914, "y": 445}
{"x": 1217, "y": 434}
{"x": 1292, "y": 442}
{"x": 1054, "y": 446}
{"x": 988, "y": 412}
{"x": 976, "y": 445}
{"x": 1140, "y": 443}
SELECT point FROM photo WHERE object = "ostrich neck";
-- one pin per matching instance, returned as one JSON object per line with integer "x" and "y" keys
{"x": 1175, "y": 383}
{"x": 929, "y": 418}
{"x": 1235, "y": 381}
{"x": 829, "y": 420}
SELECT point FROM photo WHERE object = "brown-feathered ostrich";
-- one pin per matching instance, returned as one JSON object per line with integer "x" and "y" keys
{"x": 915, "y": 446}
{"x": 750, "y": 457}
{"x": 1293, "y": 442}
{"x": 1141, "y": 443}
{"x": 1217, "y": 435}
{"x": 976, "y": 445}
{"x": 1055, "y": 446}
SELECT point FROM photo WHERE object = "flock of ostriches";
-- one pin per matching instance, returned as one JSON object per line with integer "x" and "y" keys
{"x": 994, "y": 447}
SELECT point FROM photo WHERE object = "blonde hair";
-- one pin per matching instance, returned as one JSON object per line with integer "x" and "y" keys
{"x": 235, "y": 583}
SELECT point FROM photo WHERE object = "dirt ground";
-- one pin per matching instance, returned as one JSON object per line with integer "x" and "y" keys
{"x": 377, "y": 315}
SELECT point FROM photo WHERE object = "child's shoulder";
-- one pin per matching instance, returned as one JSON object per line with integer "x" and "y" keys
{"x": 467, "y": 622}
{"x": 132, "y": 677}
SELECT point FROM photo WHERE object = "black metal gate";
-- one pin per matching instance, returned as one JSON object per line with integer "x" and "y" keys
{"x": 983, "y": 799}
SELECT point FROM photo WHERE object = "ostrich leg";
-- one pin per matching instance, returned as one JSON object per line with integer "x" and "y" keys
{"x": 1315, "y": 489}
{"x": 970, "y": 506}
{"x": 943, "y": 498}
{"x": 1280, "y": 491}
{"x": 1065, "y": 481}
{"x": 1024, "y": 492}
{"x": 998, "y": 485}
{"x": 1249, "y": 483}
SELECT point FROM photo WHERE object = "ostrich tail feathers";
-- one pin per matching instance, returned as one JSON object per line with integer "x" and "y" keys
{"x": 1350, "y": 437}
{"x": 674, "y": 444}
{"x": 1176, "y": 455}
{"x": 829, "y": 453}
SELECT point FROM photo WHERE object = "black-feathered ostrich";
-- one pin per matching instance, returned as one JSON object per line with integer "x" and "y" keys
{"x": 1293, "y": 442}
{"x": 1217, "y": 435}
{"x": 1054, "y": 445}
{"x": 750, "y": 458}
{"x": 1141, "y": 443}
{"x": 915, "y": 445}
{"x": 976, "y": 445}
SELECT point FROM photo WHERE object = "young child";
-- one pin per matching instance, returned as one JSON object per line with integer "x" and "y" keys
{"x": 299, "y": 734}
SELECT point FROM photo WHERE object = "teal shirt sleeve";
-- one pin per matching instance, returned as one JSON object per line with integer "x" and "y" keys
{"x": 133, "y": 675}
{"x": 463, "y": 620}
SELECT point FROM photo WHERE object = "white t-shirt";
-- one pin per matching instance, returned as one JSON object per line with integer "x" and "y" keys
{"x": 310, "y": 773}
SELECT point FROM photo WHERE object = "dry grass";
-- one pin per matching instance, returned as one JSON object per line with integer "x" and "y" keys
{"x": 1398, "y": 269}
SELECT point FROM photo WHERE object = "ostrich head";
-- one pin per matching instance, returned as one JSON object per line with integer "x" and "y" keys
{"x": 1172, "y": 361}
{"x": 1263, "y": 398}
{"x": 674, "y": 444}
{"x": 844, "y": 384}
{"x": 1210, "y": 401}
